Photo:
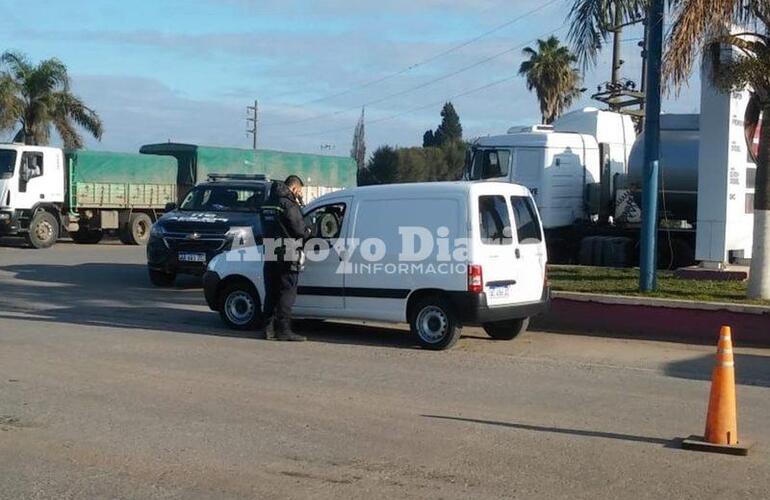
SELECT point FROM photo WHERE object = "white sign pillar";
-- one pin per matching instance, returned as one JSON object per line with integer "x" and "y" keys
{"x": 725, "y": 189}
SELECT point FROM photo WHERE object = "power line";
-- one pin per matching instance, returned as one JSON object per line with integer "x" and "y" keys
{"x": 419, "y": 108}
{"x": 418, "y": 87}
{"x": 430, "y": 59}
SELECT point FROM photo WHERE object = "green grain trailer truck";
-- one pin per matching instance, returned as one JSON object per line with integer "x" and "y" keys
{"x": 322, "y": 174}
{"x": 46, "y": 191}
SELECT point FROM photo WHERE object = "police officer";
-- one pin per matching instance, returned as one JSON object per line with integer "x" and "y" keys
{"x": 287, "y": 225}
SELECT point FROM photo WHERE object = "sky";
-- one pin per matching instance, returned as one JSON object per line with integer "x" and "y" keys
{"x": 185, "y": 70}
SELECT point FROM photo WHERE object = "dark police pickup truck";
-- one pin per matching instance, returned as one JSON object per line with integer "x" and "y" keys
{"x": 187, "y": 237}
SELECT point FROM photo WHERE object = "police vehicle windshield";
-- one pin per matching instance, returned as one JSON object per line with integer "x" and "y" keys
{"x": 224, "y": 199}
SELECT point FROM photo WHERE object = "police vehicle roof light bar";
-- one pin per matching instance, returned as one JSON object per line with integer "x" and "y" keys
{"x": 237, "y": 177}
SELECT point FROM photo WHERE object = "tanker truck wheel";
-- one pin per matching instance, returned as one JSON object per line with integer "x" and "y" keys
{"x": 137, "y": 231}
{"x": 43, "y": 230}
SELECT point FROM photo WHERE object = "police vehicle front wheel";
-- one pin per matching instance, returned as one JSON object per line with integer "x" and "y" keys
{"x": 159, "y": 278}
{"x": 240, "y": 307}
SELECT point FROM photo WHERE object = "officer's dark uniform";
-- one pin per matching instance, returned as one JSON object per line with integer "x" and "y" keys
{"x": 283, "y": 220}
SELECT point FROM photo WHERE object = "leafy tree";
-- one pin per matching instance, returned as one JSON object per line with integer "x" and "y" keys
{"x": 37, "y": 97}
{"x": 382, "y": 167}
{"x": 702, "y": 24}
{"x": 358, "y": 151}
{"x": 550, "y": 72}
{"x": 449, "y": 130}
{"x": 593, "y": 22}
{"x": 428, "y": 139}
{"x": 389, "y": 165}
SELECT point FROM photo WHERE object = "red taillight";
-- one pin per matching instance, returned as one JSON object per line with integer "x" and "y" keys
{"x": 475, "y": 279}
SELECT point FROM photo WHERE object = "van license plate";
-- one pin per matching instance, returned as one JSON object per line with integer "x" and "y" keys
{"x": 192, "y": 257}
{"x": 498, "y": 292}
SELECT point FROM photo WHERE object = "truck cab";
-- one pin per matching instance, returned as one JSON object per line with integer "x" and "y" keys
{"x": 32, "y": 180}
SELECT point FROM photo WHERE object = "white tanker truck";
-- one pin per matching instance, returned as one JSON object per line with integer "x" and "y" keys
{"x": 585, "y": 173}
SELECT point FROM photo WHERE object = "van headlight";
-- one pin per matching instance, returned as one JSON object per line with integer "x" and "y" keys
{"x": 4, "y": 216}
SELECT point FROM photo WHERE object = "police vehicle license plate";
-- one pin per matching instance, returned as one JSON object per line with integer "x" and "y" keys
{"x": 499, "y": 291}
{"x": 192, "y": 257}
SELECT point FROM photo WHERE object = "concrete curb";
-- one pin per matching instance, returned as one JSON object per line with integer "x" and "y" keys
{"x": 652, "y": 318}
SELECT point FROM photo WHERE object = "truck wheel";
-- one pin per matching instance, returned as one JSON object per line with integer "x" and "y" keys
{"x": 506, "y": 330}
{"x": 137, "y": 231}
{"x": 87, "y": 236}
{"x": 240, "y": 307}
{"x": 434, "y": 324}
{"x": 43, "y": 230}
{"x": 159, "y": 278}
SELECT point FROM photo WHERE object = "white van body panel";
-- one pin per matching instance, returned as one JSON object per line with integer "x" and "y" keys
{"x": 381, "y": 214}
{"x": 242, "y": 263}
{"x": 555, "y": 166}
{"x": 514, "y": 273}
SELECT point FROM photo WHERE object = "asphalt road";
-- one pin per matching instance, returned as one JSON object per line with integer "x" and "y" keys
{"x": 112, "y": 389}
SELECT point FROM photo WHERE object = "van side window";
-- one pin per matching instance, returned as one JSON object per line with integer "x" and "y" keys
{"x": 326, "y": 221}
{"x": 494, "y": 222}
{"x": 490, "y": 163}
{"x": 527, "y": 225}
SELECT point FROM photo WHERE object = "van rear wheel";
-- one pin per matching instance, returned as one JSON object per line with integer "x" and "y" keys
{"x": 240, "y": 307}
{"x": 506, "y": 330}
{"x": 434, "y": 324}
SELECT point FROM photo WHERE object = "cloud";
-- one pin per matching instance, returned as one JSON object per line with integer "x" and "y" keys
{"x": 186, "y": 70}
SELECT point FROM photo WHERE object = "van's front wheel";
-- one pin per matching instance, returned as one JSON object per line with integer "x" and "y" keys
{"x": 506, "y": 330}
{"x": 240, "y": 307}
{"x": 434, "y": 324}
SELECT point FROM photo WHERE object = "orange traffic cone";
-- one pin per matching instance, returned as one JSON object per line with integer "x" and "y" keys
{"x": 721, "y": 421}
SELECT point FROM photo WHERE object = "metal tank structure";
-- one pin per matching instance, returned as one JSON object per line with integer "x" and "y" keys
{"x": 679, "y": 157}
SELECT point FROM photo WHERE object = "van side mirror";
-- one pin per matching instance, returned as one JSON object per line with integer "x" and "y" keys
{"x": 171, "y": 206}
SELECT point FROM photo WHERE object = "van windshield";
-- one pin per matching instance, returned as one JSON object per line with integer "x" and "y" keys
{"x": 224, "y": 199}
{"x": 7, "y": 163}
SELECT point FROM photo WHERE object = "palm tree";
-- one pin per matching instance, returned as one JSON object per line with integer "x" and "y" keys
{"x": 35, "y": 98}
{"x": 550, "y": 72}
{"x": 702, "y": 25}
{"x": 593, "y": 21}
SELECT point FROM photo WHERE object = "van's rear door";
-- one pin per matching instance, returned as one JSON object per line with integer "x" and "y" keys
{"x": 530, "y": 247}
{"x": 496, "y": 252}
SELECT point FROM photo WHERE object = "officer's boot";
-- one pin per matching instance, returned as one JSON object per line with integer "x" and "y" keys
{"x": 269, "y": 329}
{"x": 283, "y": 332}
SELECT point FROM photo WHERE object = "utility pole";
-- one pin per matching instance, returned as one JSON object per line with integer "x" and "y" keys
{"x": 251, "y": 121}
{"x": 619, "y": 94}
{"x": 648, "y": 258}
{"x": 616, "y": 44}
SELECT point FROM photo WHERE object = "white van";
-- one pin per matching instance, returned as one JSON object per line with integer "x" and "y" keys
{"x": 436, "y": 255}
